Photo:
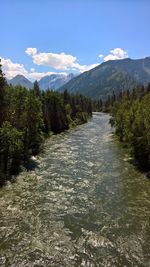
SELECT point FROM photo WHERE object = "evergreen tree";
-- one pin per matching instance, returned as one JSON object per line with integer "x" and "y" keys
{"x": 2, "y": 95}
{"x": 27, "y": 115}
{"x": 131, "y": 118}
{"x": 36, "y": 88}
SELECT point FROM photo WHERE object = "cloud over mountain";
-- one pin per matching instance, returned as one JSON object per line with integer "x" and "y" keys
{"x": 116, "y": 53}
{"x": 12, "y": 69}
{"x": 57, "y": 61}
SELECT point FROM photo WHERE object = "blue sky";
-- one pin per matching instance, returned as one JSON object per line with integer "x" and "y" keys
{"x": 69, "y": 35}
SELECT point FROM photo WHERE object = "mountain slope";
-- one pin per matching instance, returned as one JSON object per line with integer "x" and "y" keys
{"x": 112, "y": 75}
{"x": 21, "y": 80}
{"x": 54, "y": 81}
{"x": 139, "y": 68}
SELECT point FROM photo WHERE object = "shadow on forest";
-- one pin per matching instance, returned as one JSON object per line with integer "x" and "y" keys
{"x": 31, "y": 164}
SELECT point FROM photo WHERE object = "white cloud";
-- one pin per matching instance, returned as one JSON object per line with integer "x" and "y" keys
{"x": 116, "y": 53}
{"x": 32, "y": 69}
{"x": 60, "y": 61}
{"x": 32, "y": 76}
{"x": 83, "y": 68}
{"x": 31, "y": 51}
{"x": 11, "y": 69}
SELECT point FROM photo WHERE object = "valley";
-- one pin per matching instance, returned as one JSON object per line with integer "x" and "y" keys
{"x": 83, "y": 205}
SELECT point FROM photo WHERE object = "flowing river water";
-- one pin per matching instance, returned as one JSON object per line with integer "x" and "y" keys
{"x": 83, "y": 204}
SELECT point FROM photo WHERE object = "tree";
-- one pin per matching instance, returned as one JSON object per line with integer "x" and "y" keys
{"x": 2, "y": 95}
{"x": 33, "y": 124}
{"x": 2, "y": 78}
{"x": 11, "y": 147}
{"x": 25, "y": 117}
{"x": 66, "y": 97}
{"x": 36, "y": 88}
{"x": 131, "y": 118}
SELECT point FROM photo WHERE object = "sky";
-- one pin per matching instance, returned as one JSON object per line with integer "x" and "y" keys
{"x": 40, "y": 37}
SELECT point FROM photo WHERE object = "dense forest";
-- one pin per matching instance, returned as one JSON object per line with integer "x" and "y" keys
{"x": 130, "y": 111}
{"x": 131, "y": 118}
{"x": 28, "y": 116}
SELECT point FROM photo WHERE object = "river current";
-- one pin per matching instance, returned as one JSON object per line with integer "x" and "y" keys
{"x": 83, "y": 204}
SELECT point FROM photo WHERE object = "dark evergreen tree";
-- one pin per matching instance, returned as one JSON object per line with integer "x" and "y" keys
{"x": 131, "y": 118}
{"x": 2, "y": 95}
{"x": 27, "y": 115}
{"x": 36, "y": 88}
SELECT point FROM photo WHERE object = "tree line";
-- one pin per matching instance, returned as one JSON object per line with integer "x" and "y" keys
{"x": 28, "y": 116}
{"x": 106, "y": 104}
{"x": 131, "y": 118}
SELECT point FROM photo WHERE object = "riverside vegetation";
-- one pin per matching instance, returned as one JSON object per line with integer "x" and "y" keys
{"x": 130, "y": 112}
{"x": 84, "y": 205}
{"x": 27, "y": 116}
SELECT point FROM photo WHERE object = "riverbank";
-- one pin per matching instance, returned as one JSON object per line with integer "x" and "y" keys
{"x": 131, "y": 120}
{"x": 81, "y": 202}
{"x": 30, "y": 163}
{"x": 27, "y": 116}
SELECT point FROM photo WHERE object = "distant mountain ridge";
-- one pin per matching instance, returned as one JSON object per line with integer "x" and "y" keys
{"x": 114, "y": 75}
{"x": 20, "y": 80}
{"x": 53, "y": 81}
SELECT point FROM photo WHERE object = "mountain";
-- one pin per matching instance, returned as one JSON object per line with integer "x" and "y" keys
{"x": 138, "y": 68}
{"x": 112, "y": 75}
{"x": 54, "y": 81}
{"x": 21, "y": 80}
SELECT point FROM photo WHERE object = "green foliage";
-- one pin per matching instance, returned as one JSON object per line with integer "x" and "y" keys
{"x": 11, "y": 148}
{"x": 54, "y": 112}
{"x": 117, "y": 75}
{"x": 2, "y": 78}
{"x": 2, "y": 95}
{"x": 26, "y": 116}
{"x": 36, "y": 89}
{"x": 131, "y": 119}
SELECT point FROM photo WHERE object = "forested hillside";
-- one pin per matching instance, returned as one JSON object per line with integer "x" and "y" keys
{"x": 131, "y": 119}
{"x": 113, "y": 75}
{"x": 27, "y": 116}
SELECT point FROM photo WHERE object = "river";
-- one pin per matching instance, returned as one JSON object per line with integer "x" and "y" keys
{"x": 83, "y": 204}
